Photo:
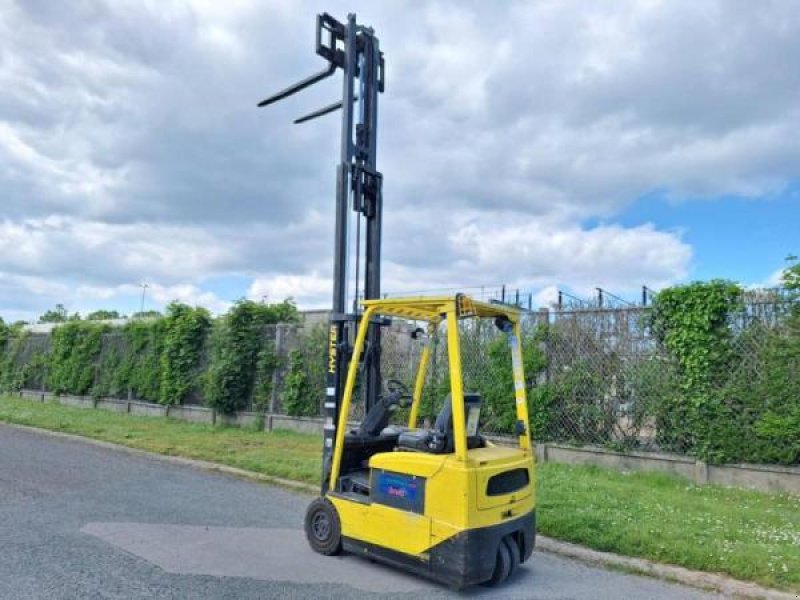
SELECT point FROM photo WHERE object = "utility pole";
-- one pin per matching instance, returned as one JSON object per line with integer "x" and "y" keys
{"x": 144, "y": 287}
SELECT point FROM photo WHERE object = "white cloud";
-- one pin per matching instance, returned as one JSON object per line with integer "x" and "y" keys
{"x": 131, "y": 149}
{"x": 188, "y": 294}
{"x": 310, "y": 291}
{"x": 27, "y": 297}
{"x": 529, "y": 253}
{"x": 546, "y": 297}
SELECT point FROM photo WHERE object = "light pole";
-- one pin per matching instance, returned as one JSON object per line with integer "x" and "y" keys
{"x": 144, "y": 287}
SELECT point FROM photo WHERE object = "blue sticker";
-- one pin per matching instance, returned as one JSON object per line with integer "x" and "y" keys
{"x": 405, "y": 492}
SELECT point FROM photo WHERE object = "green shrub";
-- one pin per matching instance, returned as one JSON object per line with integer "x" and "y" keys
{"x": 692, "y": 322}
{"x": 185, "y": 330}
{"x": 437, "y": 381}
{"x": 497, "y": 386}
{"x": 298, "y": 398}
{"x": 139, "y": 370}
{"x": 11, "y": 376}
{"x": 72, "y": 365}
{"x": 737, "y": 393}
{"x": 267, "y": 362}
{"x": 762, "y": 396}
{"x": 4, "y": 366}
{"x": 313, "y": 346}
{"x": 107, "y": 381}
{"x": 239, "y": 350}
{"x": 791, "y": 274}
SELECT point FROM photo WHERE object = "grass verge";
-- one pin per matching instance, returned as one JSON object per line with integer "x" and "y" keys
{"x": 279, "y": 453}
{"x": 748, "y": 535}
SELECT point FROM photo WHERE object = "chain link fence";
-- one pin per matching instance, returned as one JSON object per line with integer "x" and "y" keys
{"x": 594, "y": 376}
{"x": 598, "y": 376}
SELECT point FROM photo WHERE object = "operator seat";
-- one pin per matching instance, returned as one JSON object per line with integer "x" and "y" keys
{"x": 376, "y": 421}
{"x": 440, "y": 439}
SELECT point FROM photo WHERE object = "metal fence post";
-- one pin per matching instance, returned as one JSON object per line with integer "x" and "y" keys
{"x": 44, "y": 382}
{"x": 545, "y": 320}
{"x": 273, "y": 397}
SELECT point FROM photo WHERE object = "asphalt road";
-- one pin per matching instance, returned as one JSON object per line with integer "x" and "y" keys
{"x": 78, "y": 521}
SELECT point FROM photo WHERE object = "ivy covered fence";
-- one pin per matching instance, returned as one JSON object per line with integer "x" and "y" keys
{"x": 710, "y": 370}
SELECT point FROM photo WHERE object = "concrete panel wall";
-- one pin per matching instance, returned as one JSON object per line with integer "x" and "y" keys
{"x": 192, "y": 414}
{"x": 145, "y": 409}
{"x": 241, "y": 419}
{"x": 300, "y": 424}
{"x": 665, "y": 463}
{"x": 112, "y": 405}
{"x": 79, "y": 401}
{"x": 764, "y": 478}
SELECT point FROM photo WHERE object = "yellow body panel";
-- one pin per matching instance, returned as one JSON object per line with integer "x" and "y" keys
{"x": 385, "y": 526}
{"x": 455, "y": 499}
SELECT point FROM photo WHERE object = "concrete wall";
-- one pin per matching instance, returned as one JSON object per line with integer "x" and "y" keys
{"x": 242, "y": 419}
{"x": 112, "y": 405}
{"x": 301, "y": 424}
{"x": 192, "y": 414}
{"x": 145, "y": 409}
{"x": 682, "y": 466}
{"x": 765, "y": 478}
{"x": 79, "y": 401}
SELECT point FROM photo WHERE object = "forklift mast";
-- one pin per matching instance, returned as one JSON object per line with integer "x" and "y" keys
{"x": 354, "y": 49}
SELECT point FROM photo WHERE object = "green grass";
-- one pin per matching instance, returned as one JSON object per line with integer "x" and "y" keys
{"x": 745, "y": 534}
{"x": 748, "y": 535}
{"x": 279, "y": 453}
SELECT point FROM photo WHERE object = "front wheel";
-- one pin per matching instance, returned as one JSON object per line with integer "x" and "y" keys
{"x": 323, "y": 528}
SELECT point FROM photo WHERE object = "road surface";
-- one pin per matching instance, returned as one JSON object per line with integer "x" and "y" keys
{"x": 79, "y": 521}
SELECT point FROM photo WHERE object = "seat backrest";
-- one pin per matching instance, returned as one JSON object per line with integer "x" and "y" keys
{"x": 444, "y": 421}
{"x": 376, "y": 420}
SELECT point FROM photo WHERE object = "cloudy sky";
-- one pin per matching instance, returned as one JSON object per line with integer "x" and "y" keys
{"x": 541, "y": 144}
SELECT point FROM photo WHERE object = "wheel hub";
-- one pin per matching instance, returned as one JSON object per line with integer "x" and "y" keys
{"x": 321, "y": 526}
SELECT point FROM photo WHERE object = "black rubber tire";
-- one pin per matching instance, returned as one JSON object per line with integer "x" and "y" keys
{"x": 323, "y": 527}
{"x": 513, "y": 550}
{"x": 502, "y": 566}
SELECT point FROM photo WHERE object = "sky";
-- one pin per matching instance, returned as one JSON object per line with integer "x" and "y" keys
{"x": 542, "y": 144}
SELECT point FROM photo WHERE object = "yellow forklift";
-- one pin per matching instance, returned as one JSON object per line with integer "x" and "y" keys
{"x": 440, "y": 501}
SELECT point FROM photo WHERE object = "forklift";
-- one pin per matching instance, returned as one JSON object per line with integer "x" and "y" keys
{"x": 442, "y": 501}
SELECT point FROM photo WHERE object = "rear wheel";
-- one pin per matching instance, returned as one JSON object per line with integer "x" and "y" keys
{"x": 323, "y": 528}
{"x": 513, "y": 550}
{"x": 502, "y": 565}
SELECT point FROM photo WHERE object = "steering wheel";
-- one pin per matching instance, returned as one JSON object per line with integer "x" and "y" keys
{"x": 397, "y": 391}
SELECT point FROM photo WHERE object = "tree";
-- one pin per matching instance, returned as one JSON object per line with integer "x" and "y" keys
{"x": 791, "y": 274}
{"x": 56, "y": 315}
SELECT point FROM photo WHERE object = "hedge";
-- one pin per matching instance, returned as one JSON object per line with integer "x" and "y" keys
{"x": 157, "y": 359}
